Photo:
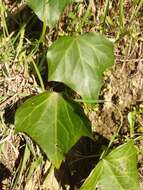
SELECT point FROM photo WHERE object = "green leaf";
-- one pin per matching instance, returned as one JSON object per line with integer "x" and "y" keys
{"x": 49, "y": 9}
{"x": 117, "y": 171}
{"x": 79, "y": 62}
{"x": 53, "y": 122}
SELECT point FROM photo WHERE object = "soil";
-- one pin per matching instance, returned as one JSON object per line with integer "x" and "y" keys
{"x": 122, "y": 92}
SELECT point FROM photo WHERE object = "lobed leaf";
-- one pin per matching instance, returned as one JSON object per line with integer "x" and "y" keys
{"x": 53, "y": 122}
{"x": 79, "y": 62}
{"x": 49, "y": 9}
{"x": 117, "y": 171}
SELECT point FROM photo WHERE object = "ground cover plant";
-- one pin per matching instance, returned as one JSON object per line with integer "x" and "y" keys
{"x": 61, "y": 61}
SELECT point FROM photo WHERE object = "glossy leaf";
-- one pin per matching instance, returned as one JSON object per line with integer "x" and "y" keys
{"x": 79, "y": 62}
{"x": 117, "y": 171}
{"x": 49, "y": 9}
{"x": 53, "y": 122}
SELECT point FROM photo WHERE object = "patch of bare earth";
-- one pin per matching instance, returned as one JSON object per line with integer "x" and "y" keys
{"x": 123, "y": 90}
{"x": 121, "y": 93}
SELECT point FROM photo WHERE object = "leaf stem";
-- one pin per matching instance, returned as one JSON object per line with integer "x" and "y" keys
{"x": 104, "y": 153}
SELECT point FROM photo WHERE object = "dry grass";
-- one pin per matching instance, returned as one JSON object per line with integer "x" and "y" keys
{"x": 22, "y": 164}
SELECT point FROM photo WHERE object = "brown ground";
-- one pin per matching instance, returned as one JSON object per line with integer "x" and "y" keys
{"x": 121, "y": 93}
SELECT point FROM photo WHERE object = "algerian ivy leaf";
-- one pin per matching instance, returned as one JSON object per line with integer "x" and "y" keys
{"x": 53, "y": 122}
{"x": 49, "y": 9}
{"x": 79, "y": 62}
{"x": 117, "y": 171}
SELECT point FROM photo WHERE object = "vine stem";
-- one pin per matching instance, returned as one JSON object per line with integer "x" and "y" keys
{"x": 104, "y": 153}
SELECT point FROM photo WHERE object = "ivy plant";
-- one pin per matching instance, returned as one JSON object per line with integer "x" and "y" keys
{"x": 115, "y": 171}
{"x": 55, "y": 122}
{"x": 79, "y": 62}
{"x": 48, "y": 9}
